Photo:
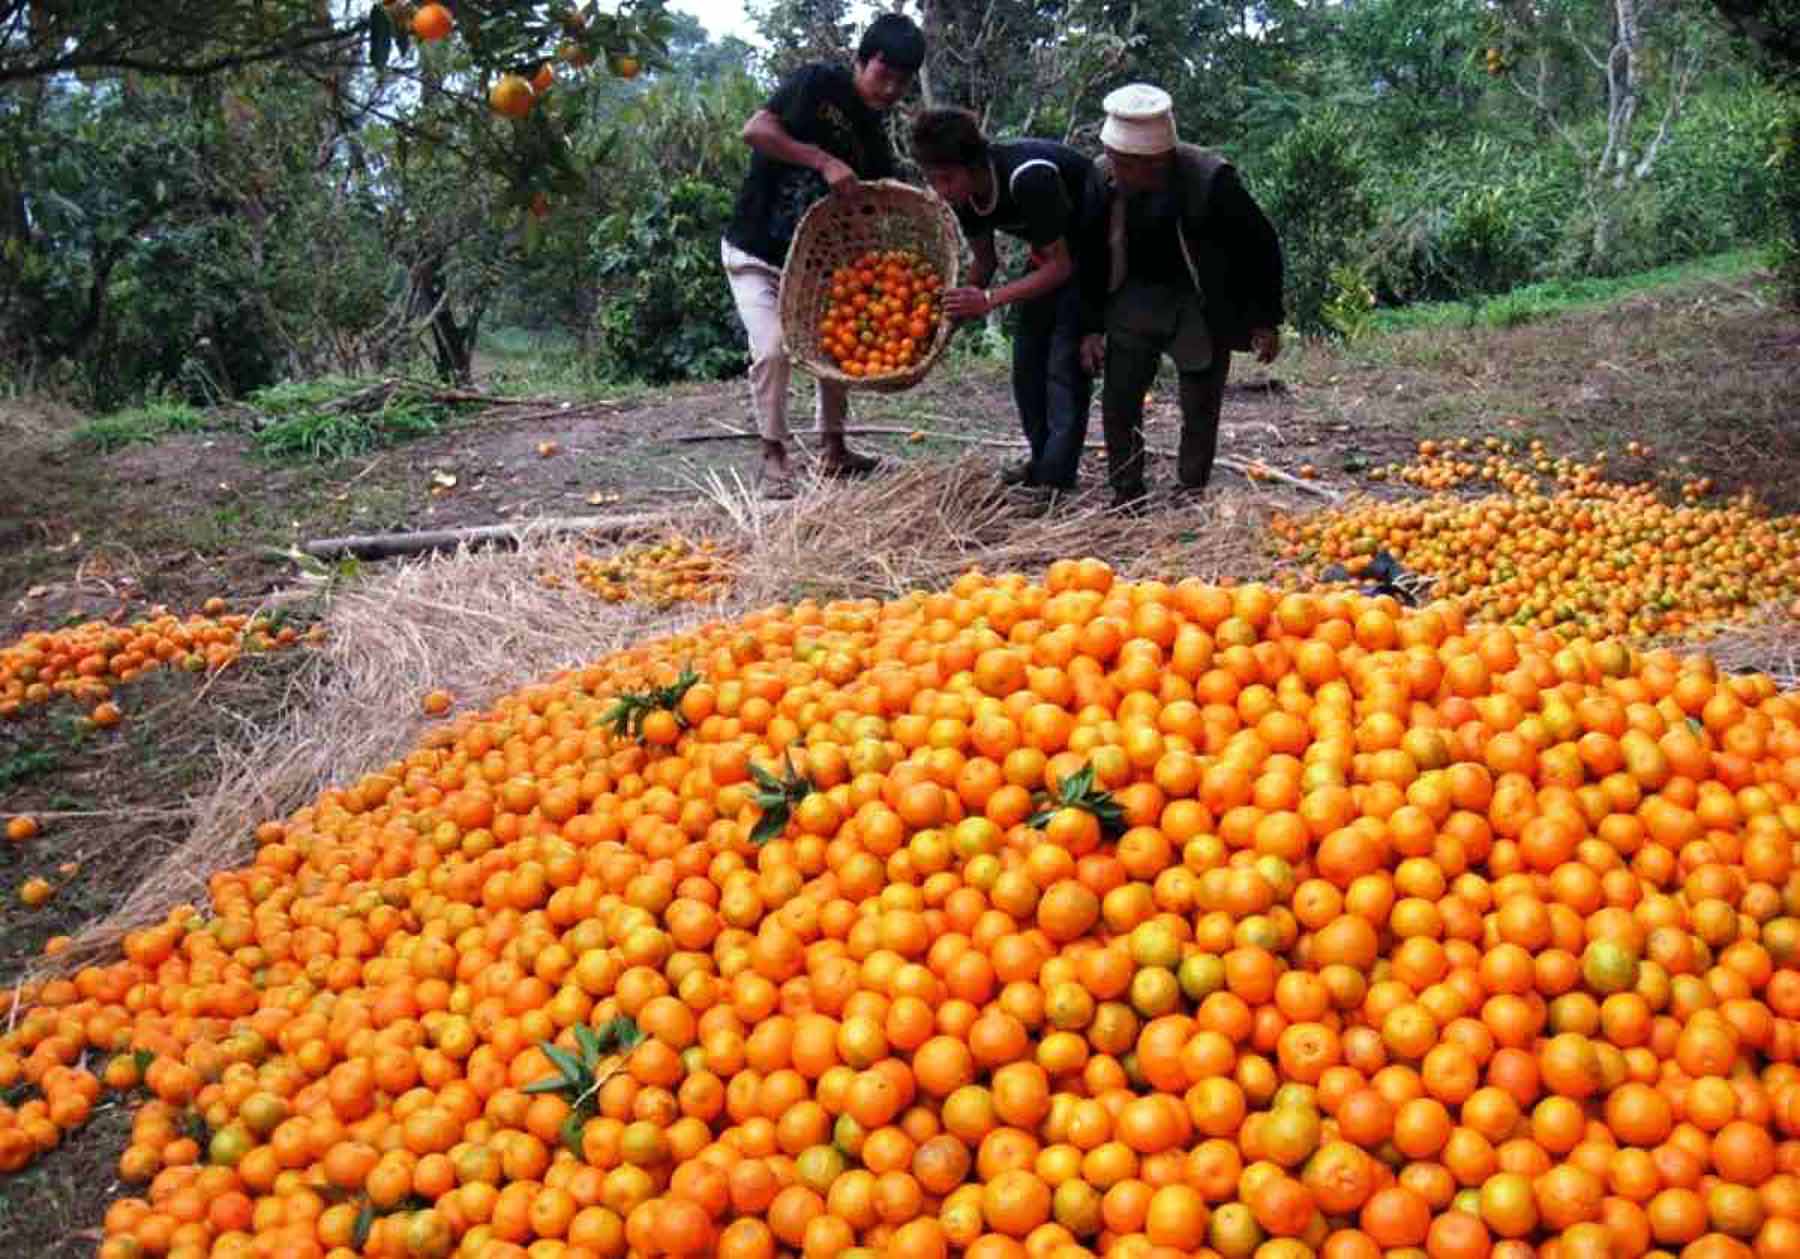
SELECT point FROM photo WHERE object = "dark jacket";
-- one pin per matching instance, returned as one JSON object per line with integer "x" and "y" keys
{"x": 1232, "y": 253}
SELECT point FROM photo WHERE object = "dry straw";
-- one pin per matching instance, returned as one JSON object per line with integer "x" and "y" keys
{"x": 1768, "y": 642}
{"x": 836, "y": 231}
{"x": 926, "y": 522}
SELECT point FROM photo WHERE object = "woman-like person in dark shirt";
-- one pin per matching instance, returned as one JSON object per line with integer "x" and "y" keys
{"x": 1034, "y": 190}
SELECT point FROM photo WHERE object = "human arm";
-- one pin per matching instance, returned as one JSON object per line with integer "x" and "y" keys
{"x": 1256, "y": 263}
{"x": 976, "y": 301}
{"x": 766, "y": 134}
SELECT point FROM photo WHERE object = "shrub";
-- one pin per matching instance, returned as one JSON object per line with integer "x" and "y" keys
{"x": 666, "y": 312}
{"x": 1312, "y": 185}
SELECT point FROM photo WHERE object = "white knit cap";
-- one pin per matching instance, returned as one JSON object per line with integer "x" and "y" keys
{"x": 1140, "y": 119}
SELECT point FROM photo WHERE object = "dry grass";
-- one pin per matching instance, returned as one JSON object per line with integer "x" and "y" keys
{"x": 925, "y": 523}
{"x": 1768, "y": 643}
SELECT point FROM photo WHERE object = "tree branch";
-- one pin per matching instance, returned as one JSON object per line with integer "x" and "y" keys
{"x": 106, "y": 58}
{"x": 1684, "y": 83}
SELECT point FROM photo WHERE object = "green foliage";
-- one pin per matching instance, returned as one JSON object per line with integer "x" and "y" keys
{"x": 1350, "y": 309}
{"x": 1784, "y": 162}
{"x": 625, "y": 715}
{"x": 581, "y": 1074}
{"x": 312, "y": 420}
{"x": 1313, "y": 186}
{"x": 1551, "y": 298}
{"x": 665, "y": 311}
{"x": 26, "y": 763}
{"x": 776, "y": 797}
{"x": 1079, "y": 791}
{"x": 148, "y": 423}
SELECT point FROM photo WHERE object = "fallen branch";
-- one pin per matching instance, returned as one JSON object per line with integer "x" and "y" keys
{"x": 379, "y": 392}
{"x": 386, "y": 545}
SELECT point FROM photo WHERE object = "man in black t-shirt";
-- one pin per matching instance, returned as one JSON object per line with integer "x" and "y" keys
{"x": 821, "y": 132}
{"x": 1034, "y": 190}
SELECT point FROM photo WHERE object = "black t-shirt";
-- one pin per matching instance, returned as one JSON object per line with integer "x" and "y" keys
{"x": 1152, "y": 240}
{"x": 1039, "y": 189}
{"x": 817, "y": 105}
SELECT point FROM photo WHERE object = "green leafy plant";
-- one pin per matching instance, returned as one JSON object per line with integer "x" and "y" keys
{"x": 580, "y": 1075}
{"x": 26, "y": 763}
{"x": 777, "y": 797}
{"x": 625, "y": 715}
{"x": 148, "y": 423}
{"x": 1350, "y": 309}
{"x": 1078, "y": 791}
{"x": 1316, "y": 186}
{"x": 328, "y": 435}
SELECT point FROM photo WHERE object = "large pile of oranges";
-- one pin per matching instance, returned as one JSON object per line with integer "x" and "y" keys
{"x": 1086, "y": 919}
{"x": 87, "y": 662}
{"x": 674, "y": 570}
{"x": 881, "y": 313}
{"x": 1621, "y": 562}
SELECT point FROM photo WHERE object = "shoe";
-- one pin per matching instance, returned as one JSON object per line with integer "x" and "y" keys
{"x": 1130, "y": 503}
{"x": 1016, "y": 473}
{"x": 1035, "y": 500}
{"x": 778, "y": 489}
{"x": 849, "y": 465}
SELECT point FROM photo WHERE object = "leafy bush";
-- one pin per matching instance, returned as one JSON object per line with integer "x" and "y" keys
{"x": 147, "y": 423}
{"x": 1350, "y": 309}
{"x": 667, "y": 313}
{"x": 314, "y": 419}
{"x": 1488, "y": 247}
{"x": 1784, "y": 160}
{"x": 1312, "y": 185}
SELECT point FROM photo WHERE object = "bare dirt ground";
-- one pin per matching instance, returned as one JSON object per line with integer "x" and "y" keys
{"x": 1708, "y": 374}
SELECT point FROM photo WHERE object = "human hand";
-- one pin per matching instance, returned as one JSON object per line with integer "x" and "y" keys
{"x": 967, "y": 303}
{"x": 1266, "y": 342}
{"x": 838, "y": 175}
{"x": 1093, "y": 353}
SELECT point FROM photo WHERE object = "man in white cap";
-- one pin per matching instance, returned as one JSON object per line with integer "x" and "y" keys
{"x": 1183, "y": 263}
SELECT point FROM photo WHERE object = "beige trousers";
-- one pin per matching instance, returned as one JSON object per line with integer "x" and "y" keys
{"x": 756, "y": 288}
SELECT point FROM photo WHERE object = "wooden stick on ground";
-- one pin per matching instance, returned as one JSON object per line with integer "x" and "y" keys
{"x": 385, "y": 545}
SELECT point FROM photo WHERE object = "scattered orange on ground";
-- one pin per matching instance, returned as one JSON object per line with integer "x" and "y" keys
{"x": 1088, "y": 919}
{"x": 88, "y": 662}
{"x": 673, "y": 570}
{"x": 1621, "y": 562}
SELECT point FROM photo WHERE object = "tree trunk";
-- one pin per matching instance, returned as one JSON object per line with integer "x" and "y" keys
{"x": 452, "y": 343}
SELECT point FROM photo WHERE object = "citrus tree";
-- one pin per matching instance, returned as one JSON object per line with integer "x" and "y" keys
{"x": 40, "y": 38}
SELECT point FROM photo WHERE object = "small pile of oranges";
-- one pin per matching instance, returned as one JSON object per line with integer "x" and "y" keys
{"x": 1455, "y": 462}
{"x": 674, "y": 570}
{"x": 1619, "y": 562}
{"x": 1013, "y": 921}
{"x": 881, "y": 313}
{"x": 87, "y": 662}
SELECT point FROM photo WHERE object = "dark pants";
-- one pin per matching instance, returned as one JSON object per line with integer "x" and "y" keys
{"x": 1049, "y": 387}
{"x": 1130, "y": 371}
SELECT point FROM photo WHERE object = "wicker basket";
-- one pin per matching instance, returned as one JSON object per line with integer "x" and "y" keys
{"x": 838, "y": 230}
